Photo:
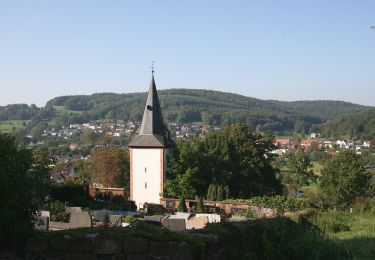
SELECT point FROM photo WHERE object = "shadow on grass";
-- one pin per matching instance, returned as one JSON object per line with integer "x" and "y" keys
{"x": 359, "y": 247}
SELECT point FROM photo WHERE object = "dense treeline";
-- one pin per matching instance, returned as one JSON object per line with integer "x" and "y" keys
{"x": 358, "y": 126}
{"x": 189, "y": 105}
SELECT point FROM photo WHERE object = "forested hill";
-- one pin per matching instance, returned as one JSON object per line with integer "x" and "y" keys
{"x": 358, "y": 126}
{"x": 192, "y": 105}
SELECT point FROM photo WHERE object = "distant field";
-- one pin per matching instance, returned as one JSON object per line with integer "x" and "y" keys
{"x": 62, "y": 109}
{"x": 9, "y": 125}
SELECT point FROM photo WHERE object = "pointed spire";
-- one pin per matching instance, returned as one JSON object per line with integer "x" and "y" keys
{"x": 152, "y": 132}
{"x": 152, "y": 122}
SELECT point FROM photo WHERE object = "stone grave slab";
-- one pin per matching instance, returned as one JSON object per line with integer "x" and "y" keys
{"x": 212, "y": 218}
{"x": 41, "y": 223}
{"x": 174, "y": 224}
{"x": 80, "y": 219}
{"x": 115, "y": 220}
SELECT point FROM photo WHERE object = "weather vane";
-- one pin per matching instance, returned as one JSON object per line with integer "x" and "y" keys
{"x": 152, "y": 67}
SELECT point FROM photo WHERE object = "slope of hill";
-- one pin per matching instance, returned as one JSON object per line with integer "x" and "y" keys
{"x": 191, "y": 105}
{"x": 357, "y": 126}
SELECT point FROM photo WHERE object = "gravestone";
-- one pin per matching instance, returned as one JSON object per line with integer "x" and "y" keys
{"x": 171, "y": 204}
{"x": 115, "y": 220}
{"x": 41, "y": 223}
{"x": 154, "y": 209}
{"x": 101, "y": 217}
{"x": 174, "y": 224}
{"x": 80, "y": 219}
{"x": 44, "y": 213}
{"x": 181, "y": 215}
{"x": 212, "y": 218}
{"x": 197, "y": 222}
{"x": 154, "y": 218}
{"x": 238, "y": 211}
{"x": 74, "y": 209}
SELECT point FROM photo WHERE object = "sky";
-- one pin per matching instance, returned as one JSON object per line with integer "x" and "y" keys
{"x": 283, "y": 50}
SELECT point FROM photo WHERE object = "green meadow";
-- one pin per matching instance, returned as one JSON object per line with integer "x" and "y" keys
{"x": 8, "y": 125}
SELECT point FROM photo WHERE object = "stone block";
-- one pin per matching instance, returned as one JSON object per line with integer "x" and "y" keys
{"x": 66, "y": 245}
{"x": 142, "y": 256}
{"x": 37, "y": 246}
{"x": 197, "y": 222}
{"x": 108, "y": 246}
{"x": 185, "y": 252}
{"x": 135, "y": 245}
{"x": 41, "y": 223}
{"x": 154, "y": 218}
{"x": 164, "y": 250}
{"x": 174, "y": 224}
{"x": 80, "y": 256}
{"x": 115, "y": 220}
{"x": 80, "y": 219}
{"x": 212, "y": 218}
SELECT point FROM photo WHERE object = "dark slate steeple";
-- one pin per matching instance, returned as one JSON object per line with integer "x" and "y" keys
{"x": 152, "y": 122}
{"x": 152, "y": 132}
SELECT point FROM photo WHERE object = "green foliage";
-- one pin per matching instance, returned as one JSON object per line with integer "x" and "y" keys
{"x": 234, "y": 157}
{"x": 58, "y": 212}
{"x": 99, "y": 195}
{"x": 119, "y": 203}
{"x": 330, "y": 223}
{"x": 200, "y": 206}
{"x": 345, "y": 178}
{"x": 25, "y": 180}
{"x": 364, "y": 206}
{"x": 75, "y": 194}
{"x": 185, "y": 106}
{"x": 277, "y": 202}
{"x": 128, "y": 219}
{"x": 182, "y": 205}
{"x": 355, "y": 126}
{"x": 298, "y": 173}
{"x": 217, "y": 192}
{"x": 108, "y": 166}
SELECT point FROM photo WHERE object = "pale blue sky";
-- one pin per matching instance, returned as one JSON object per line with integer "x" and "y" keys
{"x": 285, "y": 50}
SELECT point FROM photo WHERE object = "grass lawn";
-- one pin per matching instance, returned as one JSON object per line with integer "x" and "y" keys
{"x": 360, "y": 239}
{"x": 62, "y": 109}
{"x": 7, "y": 126}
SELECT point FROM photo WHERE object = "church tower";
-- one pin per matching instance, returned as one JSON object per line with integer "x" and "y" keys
{"x": 148, "y": 153}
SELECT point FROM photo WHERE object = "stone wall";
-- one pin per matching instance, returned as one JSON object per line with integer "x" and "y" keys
{"x": 119, "y": 248}
{"x": 127, "y": 248}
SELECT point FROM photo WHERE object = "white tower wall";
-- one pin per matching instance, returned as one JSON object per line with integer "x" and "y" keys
{"x": 147, "y": 174}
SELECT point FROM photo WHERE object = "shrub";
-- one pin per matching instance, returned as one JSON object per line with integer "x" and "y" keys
{"x": 182, "y": 205}
{"x": 128, "y": 219}
{"x": 58, "y": 212}
{"x": 67, "y": 192}
{"x": 116, "y": 199}
{"x": 278, "y": 202}
{"x": 330, "y": 222}
{"x": 200, "y": 206}
{"x": 99, "y": 195}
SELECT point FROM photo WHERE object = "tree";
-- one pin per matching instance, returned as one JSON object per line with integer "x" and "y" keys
{"x": 345, "y": 178}
{"x": 200, "y": 206}
{"x": 182, "y": 205}
{"x": 298, "y": 169}
{"x": 108, "y": 166}
{"x": 234, "y": 157}
{"x": 25, "y": 180}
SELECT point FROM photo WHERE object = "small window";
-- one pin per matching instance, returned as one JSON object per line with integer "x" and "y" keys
{"x": 149, "y": 107}
{"x": 145, "y": 169}
{"x": 145, "y": 185}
